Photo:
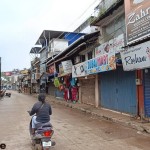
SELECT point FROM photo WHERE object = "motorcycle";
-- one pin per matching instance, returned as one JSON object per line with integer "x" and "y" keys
{"x": 42, "y": 137}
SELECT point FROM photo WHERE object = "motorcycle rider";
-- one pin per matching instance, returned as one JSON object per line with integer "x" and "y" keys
{"x": 42, "y": 109}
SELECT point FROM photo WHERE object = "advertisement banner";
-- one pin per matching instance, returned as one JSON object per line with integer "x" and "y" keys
{"x": 61, "y": 71}
{"x": 136, "y": 57}
{"x": 65, "y": 68}
{"x": 137, "y": 16}
{"x": 7, "y": 73}
{"x": 78, "y": 70}
{"x": 113, "y": 45}
{"x": 102, "y": 63}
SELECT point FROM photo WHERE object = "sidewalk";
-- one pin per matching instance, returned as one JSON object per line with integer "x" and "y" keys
{"x": 123, "y": 119}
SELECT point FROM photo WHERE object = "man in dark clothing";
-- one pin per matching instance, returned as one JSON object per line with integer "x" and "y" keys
{"x": 42, "y": 110}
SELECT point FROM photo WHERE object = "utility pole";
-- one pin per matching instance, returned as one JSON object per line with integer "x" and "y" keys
{"x": 0, "y": 73}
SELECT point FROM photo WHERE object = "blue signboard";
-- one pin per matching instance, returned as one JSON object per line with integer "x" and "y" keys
{"x": 102, "y": 63}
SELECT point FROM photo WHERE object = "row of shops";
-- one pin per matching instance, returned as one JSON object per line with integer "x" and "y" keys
{"x": 112, "y": 71}
{"x": 104, "y": 82}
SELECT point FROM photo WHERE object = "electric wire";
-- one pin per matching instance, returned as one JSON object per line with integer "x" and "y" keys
{"x": 102, "y": 37}
{"x": 76, "y": 20}
{"x": 80, "y": 17}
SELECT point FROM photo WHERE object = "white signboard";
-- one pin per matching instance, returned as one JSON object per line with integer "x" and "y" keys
{"x": 67, "y": 66}
{"x": 136, "y": 57}
{"x": 114, "y": 45}
{"x": 78, "y": 70}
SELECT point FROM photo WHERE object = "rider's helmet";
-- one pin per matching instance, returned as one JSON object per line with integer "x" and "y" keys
{"x": 41, "y": 97}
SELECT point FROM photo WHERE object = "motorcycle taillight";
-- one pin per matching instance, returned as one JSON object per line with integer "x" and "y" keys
{"x": 48, "y": 133}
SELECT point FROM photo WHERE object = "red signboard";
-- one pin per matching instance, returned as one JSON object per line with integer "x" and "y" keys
{"x": 7, "y": 73}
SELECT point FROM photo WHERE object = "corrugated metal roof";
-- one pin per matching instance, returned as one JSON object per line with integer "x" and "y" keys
{"x": 35, "y": 50}
{"x": 75, "y": 45}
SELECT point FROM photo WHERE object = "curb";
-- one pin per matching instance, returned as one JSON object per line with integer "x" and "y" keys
{"x": 134, "y": 125}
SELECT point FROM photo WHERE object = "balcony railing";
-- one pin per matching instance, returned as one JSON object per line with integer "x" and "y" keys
{"x": 103, "y": 7}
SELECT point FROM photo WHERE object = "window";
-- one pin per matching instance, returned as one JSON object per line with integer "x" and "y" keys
{"x": 82, "y": 58}
{"x": 90, "y": 55}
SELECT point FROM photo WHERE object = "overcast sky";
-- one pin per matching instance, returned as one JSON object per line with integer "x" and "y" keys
{"x": 22, "y": 22}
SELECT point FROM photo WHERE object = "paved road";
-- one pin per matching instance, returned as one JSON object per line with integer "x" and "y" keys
{"x": 74, "y": 130}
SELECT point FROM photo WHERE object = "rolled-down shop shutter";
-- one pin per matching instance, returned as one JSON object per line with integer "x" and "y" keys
{"x": 88, "y": 91}
{"x": 118, "y": 91}
{"x": 147, "y": 92}
{"x": 51, "y": 89}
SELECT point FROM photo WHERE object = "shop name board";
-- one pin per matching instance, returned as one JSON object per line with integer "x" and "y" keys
{"x": 137, "y": 20}
{"x": 102, "y": 63}
{"x": 137, "y": 16}
{"x": 78, "y": 70}
{"x": 65, "y": 67}
{"x": 113, "y": 45}
{"x": 136, "y": 57}
{"x": 7, "y": 73}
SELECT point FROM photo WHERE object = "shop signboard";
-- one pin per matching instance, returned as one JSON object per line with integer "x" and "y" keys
{"x": 113, "y": 45}
{"x": 61, "y": 71}
{"x": 137, "y": 16}
{"x": 101, "y": 63}
{"x": 7, "y": 73}
{"x": 65, "y": 68}
{"x": 78, "y": 70}
{"x": 136, "y": 57}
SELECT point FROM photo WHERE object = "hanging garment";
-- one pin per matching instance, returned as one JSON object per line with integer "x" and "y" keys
{"x": 67, "y": 81}
{"x": 73, "y": 81}
{"x": 66, "y": 94}
{"x": 56, "y": 82}
{"x": 74, "y": 93}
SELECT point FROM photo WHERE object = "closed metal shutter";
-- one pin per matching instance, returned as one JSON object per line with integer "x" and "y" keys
{"x": 118, "y": 91}
{"x": 51, "y": 89}
{"x": 147, "y": 93}
{"x": 88, "y": 91}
